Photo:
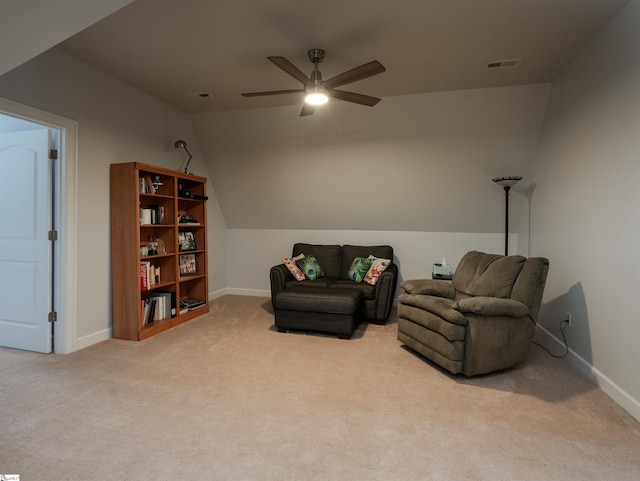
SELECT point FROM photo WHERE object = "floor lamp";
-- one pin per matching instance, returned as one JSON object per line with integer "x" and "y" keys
{"x": 507, "y": 183}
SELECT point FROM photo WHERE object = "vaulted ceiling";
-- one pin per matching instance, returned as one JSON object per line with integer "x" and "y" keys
{"x": 177, "y": 50}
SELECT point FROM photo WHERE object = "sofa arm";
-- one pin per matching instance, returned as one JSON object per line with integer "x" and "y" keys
{"x": 385, "y": 290}
{"x": 429, "y": 287}
{"x": 278, "y": 276}
{"x": 491, "y": 306}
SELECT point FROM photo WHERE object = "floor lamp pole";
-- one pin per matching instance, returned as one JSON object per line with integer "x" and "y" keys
{"x": 507, "y": 188}
{"x": 506, "y": 183}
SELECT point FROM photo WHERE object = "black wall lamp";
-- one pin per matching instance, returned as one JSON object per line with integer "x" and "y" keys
{"x": 181, "y": 144}
{"x": 507, "y": 183}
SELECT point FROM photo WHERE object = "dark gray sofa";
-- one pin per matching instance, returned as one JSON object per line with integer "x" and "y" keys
{"x": 322, "y": 304}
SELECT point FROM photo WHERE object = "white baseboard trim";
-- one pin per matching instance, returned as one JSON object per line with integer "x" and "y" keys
{"x": 215, "y": 294}
{"x": 236, "y": 291}
{"x": 94, "y": 338}
{"x": 610, "y": 388}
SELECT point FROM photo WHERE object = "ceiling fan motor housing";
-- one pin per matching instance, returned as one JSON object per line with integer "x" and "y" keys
{"x": 316, "y": 55}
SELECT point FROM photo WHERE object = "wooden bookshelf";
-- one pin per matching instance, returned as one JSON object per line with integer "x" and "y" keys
{"x": 149, "y": 207}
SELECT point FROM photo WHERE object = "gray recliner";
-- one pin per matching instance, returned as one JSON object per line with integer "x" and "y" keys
{"x": 483, "y": 321}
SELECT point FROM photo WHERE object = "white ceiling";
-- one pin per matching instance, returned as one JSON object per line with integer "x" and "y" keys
{"x": 177, "y": 49}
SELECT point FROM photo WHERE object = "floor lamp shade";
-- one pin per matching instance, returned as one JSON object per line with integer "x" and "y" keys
{"x": 506, "y": 183}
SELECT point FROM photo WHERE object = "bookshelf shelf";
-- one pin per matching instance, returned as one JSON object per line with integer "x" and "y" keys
{"x": 146, "y": 236}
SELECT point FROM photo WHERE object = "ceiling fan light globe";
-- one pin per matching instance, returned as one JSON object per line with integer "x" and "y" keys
{"x": 316, "y": 98}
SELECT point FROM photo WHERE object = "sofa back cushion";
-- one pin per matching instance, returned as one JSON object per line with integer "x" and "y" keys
{"x": 350, "y": 252}
{"x": 328, "y": 256}
{"x": 491, "y": 275}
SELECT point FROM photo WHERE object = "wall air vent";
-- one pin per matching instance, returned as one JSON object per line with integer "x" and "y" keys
{"x": 512, "y": 62}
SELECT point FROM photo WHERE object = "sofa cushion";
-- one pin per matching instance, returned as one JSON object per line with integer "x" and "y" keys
{"x": 319, "y": 282}
{"x": 359, "y": 268}
{"x": 328, "y": 256}
{"x": 350, "y": 252}
{"x": 491, "y": 275}
{"x": 290, "y": 262}
{"x": 368, "y": 291}
{"x": 378, "y": 266}
{"x": 311, "y": 268}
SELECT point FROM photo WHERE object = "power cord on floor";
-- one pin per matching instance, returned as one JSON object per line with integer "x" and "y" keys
{"x": 564, "y": 338}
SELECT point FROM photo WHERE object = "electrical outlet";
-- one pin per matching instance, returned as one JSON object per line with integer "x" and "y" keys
{"x": 567, "y": 318}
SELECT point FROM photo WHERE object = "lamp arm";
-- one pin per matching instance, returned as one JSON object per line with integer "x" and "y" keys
{"x": 186, "y": 167}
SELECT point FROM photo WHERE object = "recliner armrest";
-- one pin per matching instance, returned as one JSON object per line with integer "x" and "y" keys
{"x": 429, "y": 287}
{"x": 491, "y": 306}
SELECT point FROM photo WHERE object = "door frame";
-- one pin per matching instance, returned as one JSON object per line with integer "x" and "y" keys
{"x": 65, "y": 211}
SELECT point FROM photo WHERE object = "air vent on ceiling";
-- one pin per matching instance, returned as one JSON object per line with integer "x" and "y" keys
{"x": 203, "y": 95}
{"x": 512, "y": 62}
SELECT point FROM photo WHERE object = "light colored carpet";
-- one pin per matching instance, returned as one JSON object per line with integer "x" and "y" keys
{"x": 226, "y": 397}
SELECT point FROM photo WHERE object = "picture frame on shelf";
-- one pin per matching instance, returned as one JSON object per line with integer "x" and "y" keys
{"x": 187, "y": 241}
{"x": 187, "y": 264}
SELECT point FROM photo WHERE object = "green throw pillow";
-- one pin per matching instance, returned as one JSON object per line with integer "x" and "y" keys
{"x": 310, "y": 267}
{"x": 358, "y": 269}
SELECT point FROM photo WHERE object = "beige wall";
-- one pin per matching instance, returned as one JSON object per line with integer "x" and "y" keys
{"x": 586, "y": 208}
{"x": 412, "y": 163}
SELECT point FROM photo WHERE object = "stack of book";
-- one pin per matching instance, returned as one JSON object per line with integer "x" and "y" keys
{"x": 157, "y": 307}
{"x": 190, "y": 305}
{"x": 149, "y": 275}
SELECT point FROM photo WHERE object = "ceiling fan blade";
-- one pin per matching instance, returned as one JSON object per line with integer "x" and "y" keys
{"x": 292, "y": 70}
{"x": 363, "y": 71}
{"x": 272, "y": 92}
{"x": 307, "y": 109}
{"x": 353, "y": 97}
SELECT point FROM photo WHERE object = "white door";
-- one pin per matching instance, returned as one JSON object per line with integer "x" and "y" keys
{"x": 25, "y": 250}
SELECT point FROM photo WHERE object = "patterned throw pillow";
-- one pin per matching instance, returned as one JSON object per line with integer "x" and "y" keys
{"x": 378, "y": 266}
{"x": 290, "y": 262}
{"x": 310, "y": 267}
{"x": 359, "y": 267}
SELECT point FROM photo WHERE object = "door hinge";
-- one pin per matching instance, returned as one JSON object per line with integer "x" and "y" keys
{"x": 53, "y": 316}
{"x": 53, "y": 154}
{"x": 53, "y": 235}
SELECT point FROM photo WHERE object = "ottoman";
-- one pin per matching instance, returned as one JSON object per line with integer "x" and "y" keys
{"x": 322, "y": 309}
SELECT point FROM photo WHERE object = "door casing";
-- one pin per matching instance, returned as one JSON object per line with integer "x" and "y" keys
{"x": 65, "y": 211}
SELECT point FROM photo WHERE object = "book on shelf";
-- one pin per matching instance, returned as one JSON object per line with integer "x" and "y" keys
{"x": 145, "y": 216}
{"x": 146, "y": 185}
{"x": 190, "y": 304}
{"x": 157, "y": 307}
{"x": 148, "y": 311}
{"x": 144, "y": 276}
{"x": 149, "y": 275}
{"x": 165, "y": 302}
{"x": 152, "y": 215}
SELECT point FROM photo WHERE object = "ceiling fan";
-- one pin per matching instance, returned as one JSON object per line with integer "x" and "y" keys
{"x": 317, "y": 90}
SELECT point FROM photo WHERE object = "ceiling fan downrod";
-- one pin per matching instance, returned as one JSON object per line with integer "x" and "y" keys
{"x": 316, "y": 55}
